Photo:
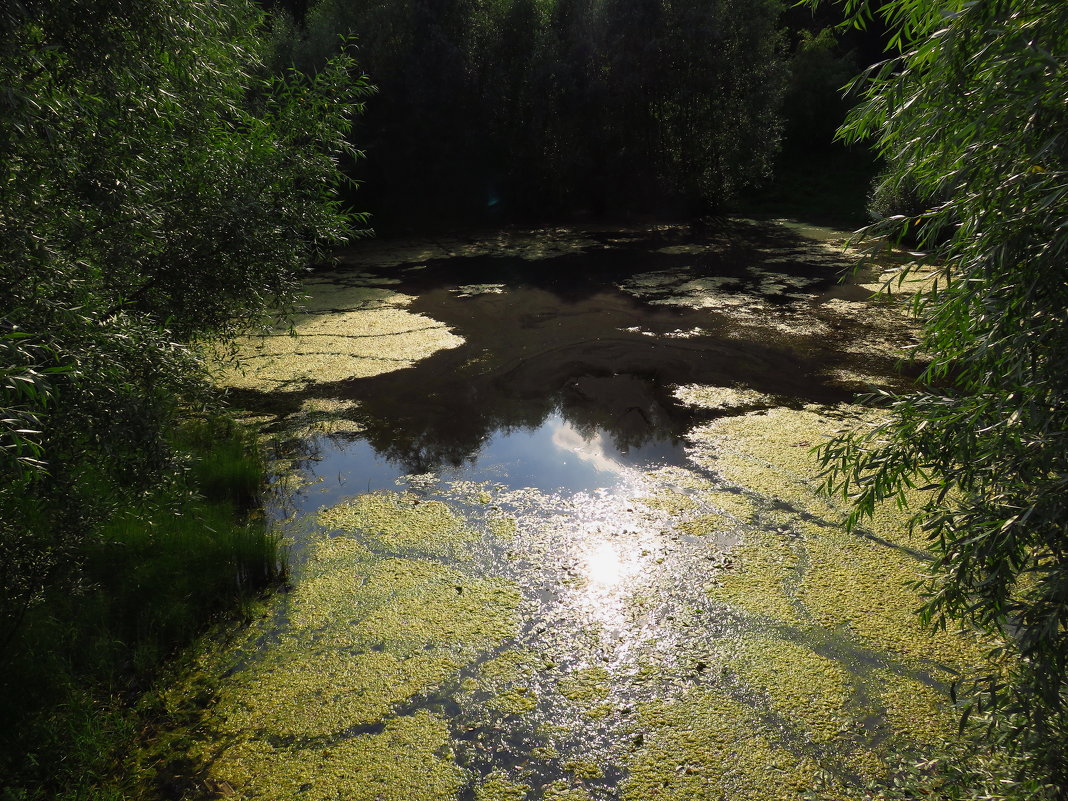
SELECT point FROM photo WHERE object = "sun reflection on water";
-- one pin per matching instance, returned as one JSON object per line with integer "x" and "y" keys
{"x": 606, "y": 567}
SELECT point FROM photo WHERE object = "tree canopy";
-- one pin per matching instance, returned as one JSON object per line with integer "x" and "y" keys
{"x": 548, "y": 108}
{"x": 160, "y": 187}
{"x": 970, "y": 111}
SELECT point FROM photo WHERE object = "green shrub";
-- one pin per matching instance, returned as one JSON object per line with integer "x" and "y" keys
{"x": 149, "y": 579}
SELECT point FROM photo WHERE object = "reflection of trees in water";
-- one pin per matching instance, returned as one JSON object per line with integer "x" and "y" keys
{"x": 440, "y": 429}
{"x": 564, "y": 339}
{"x": 440, "y": 436}
{"x": 632, "y": 410}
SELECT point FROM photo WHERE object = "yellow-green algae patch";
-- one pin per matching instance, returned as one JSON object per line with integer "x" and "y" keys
{"x": 861, "y": 585}
{"x": 669, "y": 501}
{"x": 511, "y": 667}
{"x": 406, "y": 606}
{"x": 801, "y": 578}
{"x": 818, "y": 573}
{"x": 561, "y": 790}
{"x": 765, "y": 566}
{"x": 584, "y": 769}
{"x": 347, "y": 332}
{"x": 704, "y": 525}
{"x": 400, "y": 523}
{"x": 323, "y": 416}
{"x": 502, "y": 526}
{"x": 471, "y": 290}
{"x": 588, "y": 688}
{"x": 680, "y": 477}
{"x": 411, "y": 758}
{"x": 312, "y": 692}
{"x": 366, "y": 634}
{"x": 706, "y": 396}
{"x": 498, "y": 787}
{"x": 920, "y": 713}
{"x": 811, "y": 691}
{"x": 769, "y": 453}
{"x": 705, "y": 746}
{"x": 514, "y": 701}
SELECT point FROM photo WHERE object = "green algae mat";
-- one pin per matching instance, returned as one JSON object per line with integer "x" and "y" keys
{"x": 560, "y": 539}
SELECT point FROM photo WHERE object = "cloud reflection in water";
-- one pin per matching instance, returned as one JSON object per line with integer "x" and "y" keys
{"x": 592, "y": 450}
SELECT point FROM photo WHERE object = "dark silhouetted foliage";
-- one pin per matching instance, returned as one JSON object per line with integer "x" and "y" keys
{"x": 972, "y": 113}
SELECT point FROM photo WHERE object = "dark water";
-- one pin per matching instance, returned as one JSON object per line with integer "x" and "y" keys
{"x": 565, "y": 384}
{"x": 563, "y": 374}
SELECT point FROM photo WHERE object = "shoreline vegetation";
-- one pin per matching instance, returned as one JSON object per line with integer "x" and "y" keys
{"x": 82, "y": 667}
{"x": 177, "y": 173}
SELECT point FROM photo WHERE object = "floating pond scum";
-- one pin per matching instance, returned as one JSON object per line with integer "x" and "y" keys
{"x": 567, "y": 545}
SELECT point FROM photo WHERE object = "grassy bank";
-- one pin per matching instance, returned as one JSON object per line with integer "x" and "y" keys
{"x": 150, "y": 577}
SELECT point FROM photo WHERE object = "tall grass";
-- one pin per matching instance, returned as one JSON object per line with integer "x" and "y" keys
{"x": 152, "y": 577}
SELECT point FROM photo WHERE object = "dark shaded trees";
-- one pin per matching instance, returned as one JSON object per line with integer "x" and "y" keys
{"x": 558, "y": 107}
{"x": 159, "y": 188}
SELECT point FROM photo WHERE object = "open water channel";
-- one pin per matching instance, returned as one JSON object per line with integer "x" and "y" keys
{"x": 550, "y": 505}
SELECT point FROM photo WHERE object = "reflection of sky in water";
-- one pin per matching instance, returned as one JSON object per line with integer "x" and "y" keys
{"x": 604, "y": 548}
{"x": 553, "y": 457}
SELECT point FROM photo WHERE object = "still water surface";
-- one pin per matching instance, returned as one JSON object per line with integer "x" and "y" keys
{"x": 560, "y": 411}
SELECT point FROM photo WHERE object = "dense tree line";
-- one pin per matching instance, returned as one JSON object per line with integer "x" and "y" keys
{"x": 160, "y": 187}
{"x": 547, "y": 108}
{"x": 970, "y": 116}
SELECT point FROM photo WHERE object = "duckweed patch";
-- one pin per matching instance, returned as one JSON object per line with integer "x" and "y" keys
{"x": 810, "y": 691}
{"x": 670, "y": 501}
{"x": 415, "y": 605}
{"x": 704, "y": 525}
{"x": 703, "y": 396}
{"x": 503, "y": 527}
{"x": 861, "y": 585}
{"x": 351, "y": 598}
{"x": 471, "y": 290}
{"x": 766, "y": 566}
{"x": 562, "y": 790}
{"x": 514, "y": 701}
{"x": 511, "y": 667}
{"x": 822, "y": 574}
{"x": 498, "y": 787}
{"x": 316, "y": 692}
{"x": 680, "y": 477}
{"x": 799, "y": 574}
{"x": 770, "y": 453}
{"x": 704, "y": 747}
{"x": 584, "y": 769}
{"x": 918, "y": 713}
{"x": 400, "y": 523}
{"x": 411, "y": 758}
{"x": 588, "y": 688}
{"x": 324, "y": 416}
{"x": 350, "y": 330}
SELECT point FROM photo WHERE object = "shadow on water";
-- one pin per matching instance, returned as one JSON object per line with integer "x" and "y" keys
{"x": 565, "y": 383}
{"x": 556, "y": 353}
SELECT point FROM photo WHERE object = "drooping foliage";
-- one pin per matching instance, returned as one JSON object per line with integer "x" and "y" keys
{"x": 159, "y": 187}
{"x": 561, "y": 106}
{"x": 972, "y": 112}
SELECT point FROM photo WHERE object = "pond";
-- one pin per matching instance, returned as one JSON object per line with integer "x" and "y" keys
{"x": 551, "y": 507}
